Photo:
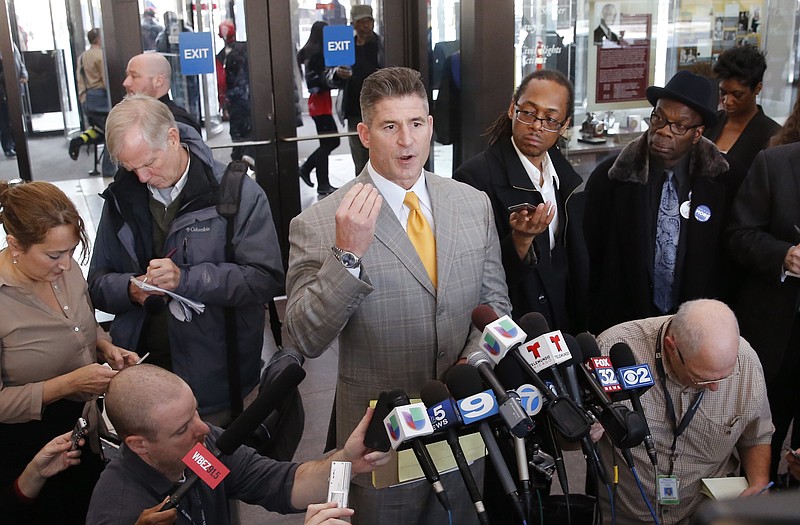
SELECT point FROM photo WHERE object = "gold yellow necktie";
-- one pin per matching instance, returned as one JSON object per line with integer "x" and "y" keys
{"x": 421, "y": 235}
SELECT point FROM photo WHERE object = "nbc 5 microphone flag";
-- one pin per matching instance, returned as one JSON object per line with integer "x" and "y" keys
{"x": 407, "y": 422}
{"x": 499, "y": 336}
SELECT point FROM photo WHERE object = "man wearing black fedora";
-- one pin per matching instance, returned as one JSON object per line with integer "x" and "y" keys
{"x": 655, "y": 213}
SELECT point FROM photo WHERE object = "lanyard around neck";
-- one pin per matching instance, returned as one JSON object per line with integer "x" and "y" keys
{"x": 677, "y": 428}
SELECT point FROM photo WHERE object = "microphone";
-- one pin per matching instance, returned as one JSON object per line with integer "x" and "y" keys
{"x": 633, "y": 377}
{"x": 464, "y": 383}
{"x": 624, "y": 427}
{"x": 594, "y": 462}
{"x": 568, "y": 367}
{"x": 514, "y": 378}
{"x": 571, "y": 422}
{"x": 247, "y": 422}
{"x": 445, "y": 417}
{"x": 531, "y": 400}
{"x": 398, "y": 399}
{"x": 534, "y": 324}
{"x": 545, "y": 349}
{"x": 514, "y": 417}
{"x": 500, "y": 334}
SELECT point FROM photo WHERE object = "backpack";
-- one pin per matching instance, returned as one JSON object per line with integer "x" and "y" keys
{"x": 279, "y": 434}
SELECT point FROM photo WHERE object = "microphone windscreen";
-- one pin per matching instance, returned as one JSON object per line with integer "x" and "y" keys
{"x": 478, "y": 357}
{"x": 510, "y": 373}
{"x": 154, "y": 304}
{"x": 482, "y": 315}
{"x": 397, "y": 398}
{"x": 574, "y": 350}
{"x": 534, "y": 324}
{"x": 268, "y": 399}
{"x": 621, "y": 355}
{"x": 433, "y": 393}
{"x": 588, "y": 345}
{"x": 463, "y": 381}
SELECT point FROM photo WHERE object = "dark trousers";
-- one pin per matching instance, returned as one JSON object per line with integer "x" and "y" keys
{"x": 319, "y": 159}
{"x": 784, "y": 399}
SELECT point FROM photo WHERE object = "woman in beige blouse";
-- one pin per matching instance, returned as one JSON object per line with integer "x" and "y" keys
{"x": 50, "y": 344}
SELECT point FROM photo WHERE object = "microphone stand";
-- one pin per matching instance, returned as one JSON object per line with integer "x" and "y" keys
{"x": 524, "y": 476}
{"x": 560, "y": 468}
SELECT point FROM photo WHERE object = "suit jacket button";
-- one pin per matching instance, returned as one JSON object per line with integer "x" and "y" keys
{"x": 542, "y": 299}
{"x": 440, "y": 355}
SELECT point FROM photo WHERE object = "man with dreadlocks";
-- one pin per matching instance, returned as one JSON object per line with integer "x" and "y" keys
{"x": 523, "y": 166}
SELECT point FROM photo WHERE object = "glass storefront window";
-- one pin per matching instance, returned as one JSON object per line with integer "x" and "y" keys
{"x": 612, "y": 50}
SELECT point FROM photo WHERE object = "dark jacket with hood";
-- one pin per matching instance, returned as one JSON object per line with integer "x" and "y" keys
{"x": 620, "y": 233}
{"x": 124, "y": 247}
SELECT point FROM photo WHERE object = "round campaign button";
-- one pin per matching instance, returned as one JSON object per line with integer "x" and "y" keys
{"x": 702, "y": 213}
{"x": 685, "y": 209}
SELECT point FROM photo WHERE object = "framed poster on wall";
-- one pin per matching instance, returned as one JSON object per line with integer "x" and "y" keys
{"x": 621, "y": 64}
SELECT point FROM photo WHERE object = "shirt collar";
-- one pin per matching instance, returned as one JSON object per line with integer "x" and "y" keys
{"x": 394, "y": 195}
{"x": 168, "y": 195}
{"x": 549, "y": 173}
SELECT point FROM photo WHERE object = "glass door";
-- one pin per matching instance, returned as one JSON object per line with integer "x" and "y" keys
{"x": 444, "y": 22}
{"x": 329, "y": 151}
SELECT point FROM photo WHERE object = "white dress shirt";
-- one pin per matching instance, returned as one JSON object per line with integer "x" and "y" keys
{"x": 546, "y": 182}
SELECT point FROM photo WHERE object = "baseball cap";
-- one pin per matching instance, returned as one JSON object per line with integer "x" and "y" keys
{"x": 357, "y": 12}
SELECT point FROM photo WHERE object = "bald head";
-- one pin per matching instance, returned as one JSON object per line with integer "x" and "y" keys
{"x": 133, "y": 395}
{"x": 148, "y": 73}
{"x": 707, "y": 333}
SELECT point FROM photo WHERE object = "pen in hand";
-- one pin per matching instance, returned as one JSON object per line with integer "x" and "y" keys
{"x": 167, "y": 256}
{"x": 770, "y": 484}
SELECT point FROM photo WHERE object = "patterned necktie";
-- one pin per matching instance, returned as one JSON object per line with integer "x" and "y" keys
{"x": 668, "y": 230}
{"x": 421, "y": 235}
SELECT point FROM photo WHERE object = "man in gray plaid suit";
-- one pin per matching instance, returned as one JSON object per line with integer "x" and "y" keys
{"x": 354, "y": 272}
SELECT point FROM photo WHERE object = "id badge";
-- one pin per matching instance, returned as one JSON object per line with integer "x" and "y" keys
{"x": 668, "y": 490}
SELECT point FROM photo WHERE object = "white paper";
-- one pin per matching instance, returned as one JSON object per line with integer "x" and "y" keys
{"x": 180, "y": 306}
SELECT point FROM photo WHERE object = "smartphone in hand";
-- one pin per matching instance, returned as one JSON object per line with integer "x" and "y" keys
{"x": 376, "y": 437}
{"x": 523, "y": 206}
{"x": 81, "y": 426}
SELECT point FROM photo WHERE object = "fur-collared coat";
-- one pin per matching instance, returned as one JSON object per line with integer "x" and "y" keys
{"x": 620, "y": 233}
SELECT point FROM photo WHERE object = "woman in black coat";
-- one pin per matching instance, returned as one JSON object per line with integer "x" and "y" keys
{"x": 320, "y": 108}
{"x": 742, "y": 128}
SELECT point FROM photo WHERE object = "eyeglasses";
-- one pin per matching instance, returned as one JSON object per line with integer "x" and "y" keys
{"x": 529, "y": 119}
{"x": 658, "y": 122}
{"x": 703, "y": 382}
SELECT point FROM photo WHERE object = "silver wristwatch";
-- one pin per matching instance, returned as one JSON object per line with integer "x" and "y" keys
{"x": 348, "y": 259}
